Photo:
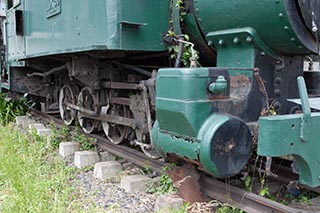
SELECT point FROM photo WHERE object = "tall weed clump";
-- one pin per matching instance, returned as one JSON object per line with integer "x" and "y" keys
{"x": 10, "y": 109}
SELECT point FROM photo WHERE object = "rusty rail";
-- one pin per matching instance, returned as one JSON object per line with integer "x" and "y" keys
{"x": 212, "y": 188}
{"x": 246, "y": 201}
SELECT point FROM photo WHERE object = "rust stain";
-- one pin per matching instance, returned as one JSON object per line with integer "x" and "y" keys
{"x": 239, "y": 81}
{"x": 186, "y": 179}
{"x": 217, "y": 97}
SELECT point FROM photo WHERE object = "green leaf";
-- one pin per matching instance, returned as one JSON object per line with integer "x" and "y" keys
{"x": 264, "y": 191}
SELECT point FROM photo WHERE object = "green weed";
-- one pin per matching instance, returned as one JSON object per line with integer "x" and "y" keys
{"x": 58, "y": 135}
{"x": 165, "y": 185}
{"x": 304, "y": 197}
{"x": 228, "y": 209}
{"x": 63, "y": 134}
{"x": 9, "y": 110}
{"x": 85, "y": 143}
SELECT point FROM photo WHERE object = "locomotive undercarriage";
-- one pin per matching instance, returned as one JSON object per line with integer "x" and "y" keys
{"x": 113, "y": 97}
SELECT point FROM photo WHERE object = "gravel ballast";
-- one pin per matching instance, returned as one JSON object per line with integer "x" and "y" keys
{"x": 107, "y": 195}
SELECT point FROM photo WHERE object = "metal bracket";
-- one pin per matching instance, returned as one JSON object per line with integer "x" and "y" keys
{"x": 296, "y": 135}
{"x": 132, "y": 24}
{"x": 246, "y": 35}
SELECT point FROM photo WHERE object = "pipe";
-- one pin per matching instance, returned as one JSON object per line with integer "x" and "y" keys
{"x": 134, "y": 68}
{"x": 45, "y": 74}
{"x": 180, "y": 53}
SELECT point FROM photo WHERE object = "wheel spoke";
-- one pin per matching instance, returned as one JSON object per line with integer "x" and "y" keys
{"x": 87, "y": 101}
{"x": 67, "y": 95}
{"x": 115, "y": 132}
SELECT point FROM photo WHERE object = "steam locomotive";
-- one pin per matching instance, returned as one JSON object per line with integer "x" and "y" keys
{"x": 180, "y": 78}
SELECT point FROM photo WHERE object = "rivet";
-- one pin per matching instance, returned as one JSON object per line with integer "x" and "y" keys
{"x": 263, "y": 53}
{"x": 249, "y": 39}
{"x": 236, "y": 40}
{"x": 277, "y": 92}
{"x": 197, "y": 9}
{"x": 199, "y": 19}
{"x": 280, "y": 15}
{"x": 292, "y": 39}
{"x": 286, "y": 28}
{"x": 277, "y": 105}
{"x": 278, "y": 80}
{"x": 221, "y": 42}
{"x": 210, "y": 43}
{"x": 277, "y": 1}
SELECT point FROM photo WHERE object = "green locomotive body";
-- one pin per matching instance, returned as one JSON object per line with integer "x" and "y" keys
{"x": 42, "y": 28}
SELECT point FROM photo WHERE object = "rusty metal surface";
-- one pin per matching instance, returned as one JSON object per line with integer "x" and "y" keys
{"x": 214, "y": 189}
{"x": 186, "y": 179}
{"x": 106, "y": 118}
{"x": 120, "y": 85}
{"x": 121, "y": 101}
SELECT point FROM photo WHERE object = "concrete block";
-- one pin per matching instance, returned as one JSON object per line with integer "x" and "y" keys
{"x": 36, "y": 126}
{"x": 107, "y": 156}
{"x": 44, "y": 132}
{"x": 135, "y": 183}
{"x": 314, "y": 204}
{"x": 68, "y": 148}
{"x": 85, "y": 158}
{"x": 108, "y": 169}
{"x": 24, "y": 121}
{"x": 168, "y": 203}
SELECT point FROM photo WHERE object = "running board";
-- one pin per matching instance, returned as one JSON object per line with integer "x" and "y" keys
{"x": 314, "y": 102}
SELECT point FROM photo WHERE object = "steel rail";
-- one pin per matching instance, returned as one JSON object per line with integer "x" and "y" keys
{"x": 246, "y": 201}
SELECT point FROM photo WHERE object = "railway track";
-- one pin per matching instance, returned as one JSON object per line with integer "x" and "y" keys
{"x": 246, "y": 201}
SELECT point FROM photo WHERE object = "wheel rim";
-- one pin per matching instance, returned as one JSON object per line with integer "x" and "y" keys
{"x": 87, "y": 100}
{"x": 67, "y": 95}
{"x": 114, "y": 132}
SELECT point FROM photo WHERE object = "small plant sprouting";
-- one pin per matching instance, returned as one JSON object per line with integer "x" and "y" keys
{"x": 58, "y": 135}
{"x": 188, "y": 53}
{"x": 265, "y": 192}
{"x": 165, "y": 185}
{"x": 247, "y": 183}
{"x": 85, "y": 143}
{"x": 225, "y": 208}
{"x": 146, "y": 170}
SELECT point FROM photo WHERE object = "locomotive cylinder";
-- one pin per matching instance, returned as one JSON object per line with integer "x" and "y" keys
{"x": 186, "y": 126}
{"x": 284, "y": 25}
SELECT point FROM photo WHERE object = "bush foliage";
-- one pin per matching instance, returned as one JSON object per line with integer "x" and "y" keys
{"x": 10, "y": 109}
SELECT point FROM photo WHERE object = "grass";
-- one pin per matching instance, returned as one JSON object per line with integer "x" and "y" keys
{"x": 31, "y": 180}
